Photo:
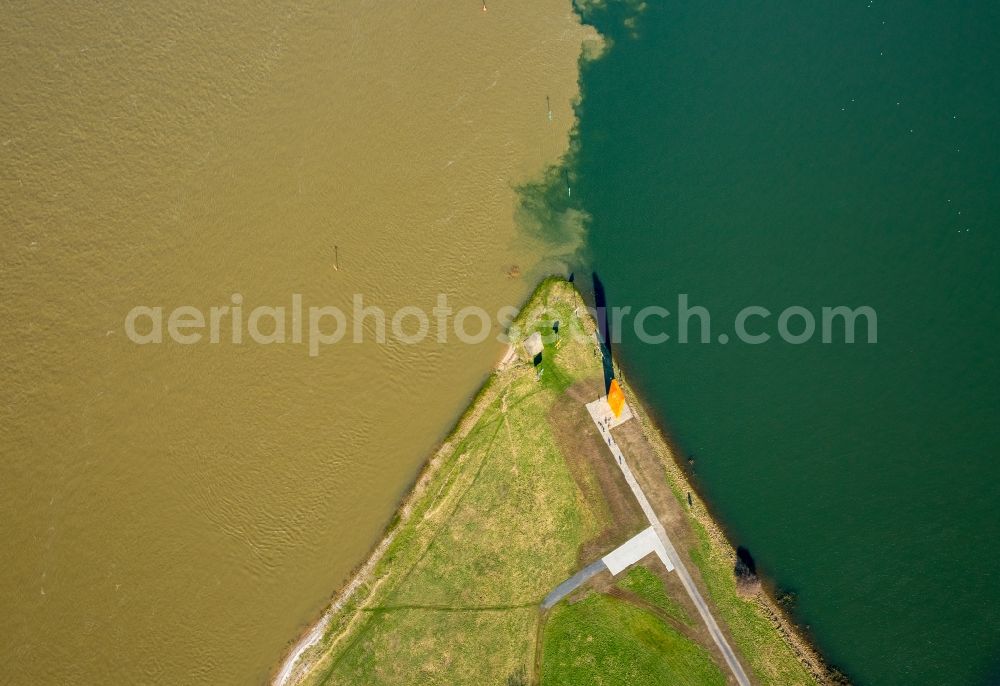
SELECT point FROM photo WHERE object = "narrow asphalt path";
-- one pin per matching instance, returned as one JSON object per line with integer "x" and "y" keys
{"x": 573, "y": 583}
{"x": 728, "y": 654}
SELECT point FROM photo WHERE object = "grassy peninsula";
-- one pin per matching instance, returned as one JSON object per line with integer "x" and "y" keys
{"x": 521, "y": 496}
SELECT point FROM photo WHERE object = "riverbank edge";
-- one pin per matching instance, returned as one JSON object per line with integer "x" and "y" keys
{"x": 297, "y": 660}
{"x": 291, "y": 667}
{"x": 700, "y": 511}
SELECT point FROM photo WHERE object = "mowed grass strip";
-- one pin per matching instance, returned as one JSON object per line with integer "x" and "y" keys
{"x": 418, "y": 646}
{"x": 771, "y": 657}
{"x": 498, "y": 522}
{"x": 455, "y": 598}
{"x": 604, "y": 641}
{"x": 650, "y": 588}
{"x": 516, "y": 532}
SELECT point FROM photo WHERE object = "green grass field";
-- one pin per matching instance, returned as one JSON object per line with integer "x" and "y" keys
{"x": 603, "y": 640}
{"x": 500, "y": 518}
{"x": 648, "y": 587}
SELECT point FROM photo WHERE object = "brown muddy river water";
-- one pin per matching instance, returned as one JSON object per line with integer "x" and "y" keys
{"x": 176, "y": 514}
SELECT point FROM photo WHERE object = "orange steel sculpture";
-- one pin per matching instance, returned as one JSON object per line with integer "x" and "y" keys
{"x": 616, "y": 398}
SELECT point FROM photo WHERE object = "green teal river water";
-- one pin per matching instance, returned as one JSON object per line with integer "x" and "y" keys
{"x": 820, "y": 154}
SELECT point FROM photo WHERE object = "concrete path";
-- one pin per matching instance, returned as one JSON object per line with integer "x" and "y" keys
{"x": 599, "y": 412}
{"x": 628, "y": 553}
{"x": 634, "y": 549}
{"x": 572, "y": 583}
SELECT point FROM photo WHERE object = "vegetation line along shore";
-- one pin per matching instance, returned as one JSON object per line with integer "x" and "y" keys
{"x": 723, "y": 554}
{"x": 520, "y": 496}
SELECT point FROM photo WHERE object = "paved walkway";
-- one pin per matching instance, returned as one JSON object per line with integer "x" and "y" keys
{"x": 599, "y": 412}
{"x": 573, "y": 583}
{"x": 628, "y": 553}
{"x": 634, "y": 549}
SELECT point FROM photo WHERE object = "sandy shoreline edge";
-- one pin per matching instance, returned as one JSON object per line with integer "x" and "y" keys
{"x": 296, "y": 663}
{"x": 290, "y": 670}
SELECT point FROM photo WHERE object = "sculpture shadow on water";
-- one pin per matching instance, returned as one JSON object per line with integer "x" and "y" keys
{"x": 603, "y": 329}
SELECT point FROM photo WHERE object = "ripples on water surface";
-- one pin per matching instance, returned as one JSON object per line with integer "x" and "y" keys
{"x": 814, "y": 154}
{"x": 176, "y": 514}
